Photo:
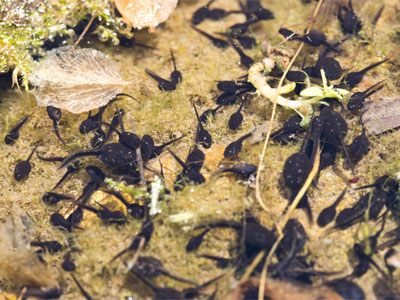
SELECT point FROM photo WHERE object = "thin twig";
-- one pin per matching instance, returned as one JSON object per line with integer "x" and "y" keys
{"x": 261, "y": 288}
{"x": 258, "y": 195}
{"x": 84, "y": 31}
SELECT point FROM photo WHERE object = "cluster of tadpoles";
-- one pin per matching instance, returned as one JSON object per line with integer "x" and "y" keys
{"x": 126, "y": 160}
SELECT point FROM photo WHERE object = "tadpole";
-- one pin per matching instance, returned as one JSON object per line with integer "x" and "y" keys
{"x": 163, "y": 84}
{"x": 23, "y": 168}
{"x": 176, "y": 76}
{"x": 159, "y": 148}
{"x": 107, "y": 215}
{"x": 244, "y": 59}
{"x": 196, "y": 241}
{"x": 328, "y": 214}
{"x": 236, "y": 118}
{"x": 203, "y": 137}
{"x": 67, "y": 264}
{"x": 134, "y": 209}
{"x": 201, "y": 14}
{"x": 356, "y": 101}
{"x": 188, "y": 175}
{"x": 244, "y": 169}
{"x": 216, "y": 41}
{"x": 112, "y": 155}
{"x": 13, "y": 134}
{"x": 235, "y": 147}
{"x": 54, "y": 198}
{"x": 349, "y": 22}
{"x": 354, "y": 78}
{"x": 209, "y": 113}
{"x": 72, "y": 168}
{"x": 55, "y": 115}
{"x": 335, "y": 129}
{"x": 147, "y": 147}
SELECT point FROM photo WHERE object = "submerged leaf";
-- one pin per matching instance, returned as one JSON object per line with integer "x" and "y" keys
{"x": 381, "y": 115}
{"x": 76, "y": 80}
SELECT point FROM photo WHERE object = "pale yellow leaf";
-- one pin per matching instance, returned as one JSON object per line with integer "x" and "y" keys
{"x": 76, "y": 80}
{"x": 145, "y": 13}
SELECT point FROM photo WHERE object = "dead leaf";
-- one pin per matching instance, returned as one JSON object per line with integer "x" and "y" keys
{"x": 381, "y": 115}
{"x": 76, "y": 80}
{"x": 145, "y": 13}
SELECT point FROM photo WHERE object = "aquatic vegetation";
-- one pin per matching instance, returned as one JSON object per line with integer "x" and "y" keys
{"x": 26, "y": 26}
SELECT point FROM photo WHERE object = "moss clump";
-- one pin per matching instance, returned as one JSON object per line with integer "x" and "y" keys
{"x": 26, "y": 25}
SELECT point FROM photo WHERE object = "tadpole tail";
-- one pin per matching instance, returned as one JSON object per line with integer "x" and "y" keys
{"x": 146, "y": 46}
{"x": 61, "y": 180}
{"x": 76, "y": 155}
{"x": 166, "y": 273}
{"x": 372, "y": 89}
{"x": 55, "y": 126}
{"x": 118, "y": 196}
{"x": 84, "y": 293}
{"x": 347, "y": 155}
{"x": 366, "y": 69}
{"x": 145, "y": 281}
{"x": 340, "y": 198}
{"x": 51, "y": 159}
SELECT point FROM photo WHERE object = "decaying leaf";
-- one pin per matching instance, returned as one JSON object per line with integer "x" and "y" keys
{"x": 76, "y": 80}
{"x": 145, "y": 13}
{"x": 20, "y": 265}
{"x": 381, "y": 115}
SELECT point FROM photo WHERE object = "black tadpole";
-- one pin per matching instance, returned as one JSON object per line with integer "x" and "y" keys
{"x": 55, "y": 115}
{"x": 13, "y": 134}
{"x": 203, "y": 137}
{"x": 72, "y": 168}
{"x": 235, "y": 147}
{"x": 335, "y": 129}
{"x": 209, "y": 113}
{"x": 241, "y": 28}
{"x": 201, "y": 14}
{"x": 189, "y": 174}
{"x": 67, "y": 264}
{"x": 53, "y": 198}
{"x": 244, "y": 169}
{"x": 23, "y": 168}
{"x": 195, "y": 159}
{"x": 110, "y": 216}
{"x": 134, "y": 209}
{"x": 328, "y": 214}
{"x": 354, "y": 78}
{"x": 236, "y": 118}
{"x": 196, "y": 241}
{"x": 349, "y": 22}
{"x": 147, "y": 147}
{"x": 163, "y": 84}
{"x": 216, "y": 41}
{"x": 176, "y": 76}
{"x": 159, "y": 148}
{"x": 244, "y": 59}
{"x": 356, "y": 101}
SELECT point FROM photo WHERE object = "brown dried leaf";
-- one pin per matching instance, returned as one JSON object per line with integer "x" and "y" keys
{"x": 145, "y": 13}
{"x": 76, "y": 80}
{"x": 381, "y": 115}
